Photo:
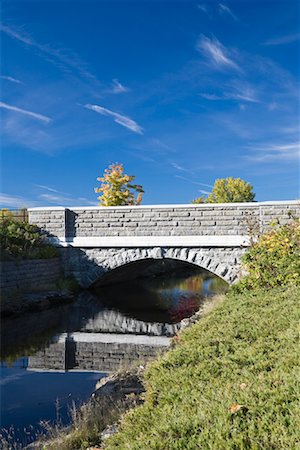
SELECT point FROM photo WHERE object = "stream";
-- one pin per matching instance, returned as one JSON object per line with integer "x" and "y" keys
{"x": 51, "y": 360}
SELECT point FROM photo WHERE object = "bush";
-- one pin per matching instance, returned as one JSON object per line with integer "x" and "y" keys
{"x": 274, "y": 260}
{"x": 22, "y": 240}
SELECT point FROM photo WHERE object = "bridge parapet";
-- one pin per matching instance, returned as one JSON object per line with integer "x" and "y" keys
{"x": 71, "y": 225}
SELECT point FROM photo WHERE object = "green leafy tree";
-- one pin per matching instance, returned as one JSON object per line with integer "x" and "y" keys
{"x": 229, "y": 190}
{"x": 117, "y": 188}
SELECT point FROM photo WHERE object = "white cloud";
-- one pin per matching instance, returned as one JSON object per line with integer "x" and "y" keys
{"x": 57, "y": 199}
{"x": 15, "y": 201}
{"x": 62, "y": 58}
{"x": 212, "y": 97}
{"x": 275, "y": 152}
{"x": 215, "y": 52}
{"x": 117, "y": 87}
{"x": 17, "y": 35}
{"x": 47, "y": 188}
{"x": 62, "y": 198}
{"x": 13, "y": 80}
{"x": 63, "y": 201}
{"x": 283, "y": 39}
{"x": 225, "y": 9}
{"x": 178, "y": 167}
{"x": 124, "y": 121}
{"x": 37, "y": 116}
{"x": 50, "y": 189}
{"x": 237, "y": 90}
{"x": 193, "y": 182}
{"x": 202, "y": 7}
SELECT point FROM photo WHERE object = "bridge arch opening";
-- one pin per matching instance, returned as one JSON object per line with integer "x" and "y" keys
{"x": 152, "y": 268}
{"x": 122, "y": 264}
{"x": 158, "y": 290}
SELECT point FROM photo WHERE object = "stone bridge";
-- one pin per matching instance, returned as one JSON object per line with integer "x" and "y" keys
{"x": 96, "y": 240}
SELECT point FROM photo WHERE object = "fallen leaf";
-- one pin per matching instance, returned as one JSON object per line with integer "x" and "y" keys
{"x": 235, "y": 407}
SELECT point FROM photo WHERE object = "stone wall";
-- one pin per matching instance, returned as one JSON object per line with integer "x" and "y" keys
{"x": 171, "y": 220}
{"x": 52, "y": 220}
{"x": 27, "y": 275}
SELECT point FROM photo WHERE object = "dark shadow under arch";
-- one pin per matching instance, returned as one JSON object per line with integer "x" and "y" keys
{"x": 150, "y": 268}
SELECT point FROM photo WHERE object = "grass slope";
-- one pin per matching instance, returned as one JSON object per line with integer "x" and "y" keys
{"x": 231, "y": 382}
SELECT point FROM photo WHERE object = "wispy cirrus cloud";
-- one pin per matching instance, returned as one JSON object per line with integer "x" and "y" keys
{"x": 12, "y": 201}
{"x": 224, "y": 9}
{"x": 118, "y": 88}
{"x": 124, "y": 121}
{"x": 202, "y": 7}
{"x": 62, "y": 200}
{"x": 26, "y": 112}
{"x": 216, "y": 53}
{"x": 57, "y": 197}
{"x": 281, "y": 40}
{"x": 50, "y": 189}
{"x": 204, "y": 192}
{"x": 274, "y": 152}
{"x": 193, "y": 182}
{"x": 178, "y": 166}
{"x": 237, "y": 90}
{"x": 12, "y": 79}
{"x": 64, "y": 59}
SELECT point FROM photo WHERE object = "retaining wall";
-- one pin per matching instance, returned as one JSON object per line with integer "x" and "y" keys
{"x": 29, "y": 275}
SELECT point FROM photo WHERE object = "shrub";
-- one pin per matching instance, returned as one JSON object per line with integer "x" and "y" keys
{"x": 22, "y": 240}
{"x": 274, "y": 260}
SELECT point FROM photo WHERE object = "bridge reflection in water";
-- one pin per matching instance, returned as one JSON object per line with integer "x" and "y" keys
{"x": 118, "y": 325}
{"x": 137, "y": 330}
{"x": 101, "y": 352}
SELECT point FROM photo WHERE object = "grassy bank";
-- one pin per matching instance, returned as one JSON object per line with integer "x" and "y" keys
{"x": 231, "y": 382}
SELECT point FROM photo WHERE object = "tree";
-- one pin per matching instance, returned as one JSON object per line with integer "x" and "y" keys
{"x": 229, "y": 190}
{"x": 116, "y": 188}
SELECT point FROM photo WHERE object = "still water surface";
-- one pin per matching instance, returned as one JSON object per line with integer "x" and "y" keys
{"x": 52, "y": 359}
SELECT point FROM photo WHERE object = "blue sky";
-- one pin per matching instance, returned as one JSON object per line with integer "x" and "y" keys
{"x": 181, "y": 93}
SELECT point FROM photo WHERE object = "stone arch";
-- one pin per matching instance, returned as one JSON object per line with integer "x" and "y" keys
{"x": 223, "y": 262}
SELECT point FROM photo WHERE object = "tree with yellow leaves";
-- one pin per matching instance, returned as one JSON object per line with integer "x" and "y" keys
{"x": 116, "y": 188}
{"x": 229, "y": 190}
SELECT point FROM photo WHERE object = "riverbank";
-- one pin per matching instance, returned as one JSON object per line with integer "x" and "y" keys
{"x": 230, "y": 382}
{"x": 35, "y": 301}
{"x": 30, "y": 299}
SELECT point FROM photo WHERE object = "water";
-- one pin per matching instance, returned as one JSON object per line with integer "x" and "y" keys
{"x": 53, "y": 359}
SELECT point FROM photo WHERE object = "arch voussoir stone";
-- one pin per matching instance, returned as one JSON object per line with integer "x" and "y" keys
{"x": 90, "y": 265}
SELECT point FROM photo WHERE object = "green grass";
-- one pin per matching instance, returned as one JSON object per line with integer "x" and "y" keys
{"x": 231, "y": 382}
